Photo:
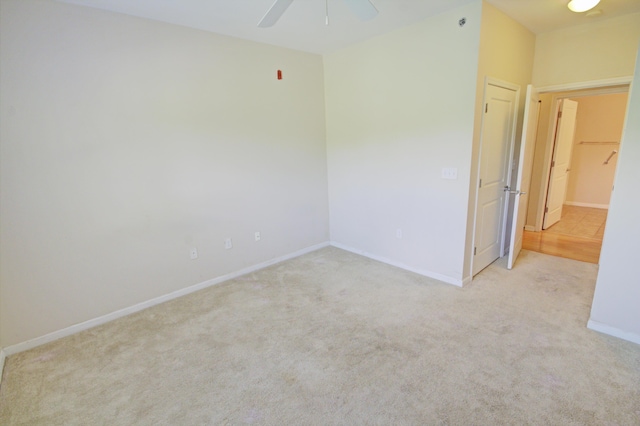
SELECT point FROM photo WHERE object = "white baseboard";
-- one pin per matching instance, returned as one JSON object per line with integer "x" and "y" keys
{"x": 434, "y": 275}
{"x": 613, "y": 331}
{"x": 2, "y": 358}
{"x": 68, "y": 331}
{"x": 529, "y": 228}
{"x": 592, "y": 205}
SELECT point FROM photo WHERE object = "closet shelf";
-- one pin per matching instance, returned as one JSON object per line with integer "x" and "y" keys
{"x": 599, "y": 143}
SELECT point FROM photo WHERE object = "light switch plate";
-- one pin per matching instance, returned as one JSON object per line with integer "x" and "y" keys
{"x": 449, "y": 173}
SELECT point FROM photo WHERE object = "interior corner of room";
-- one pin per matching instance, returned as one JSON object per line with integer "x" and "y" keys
{"x": 141, "y": 160}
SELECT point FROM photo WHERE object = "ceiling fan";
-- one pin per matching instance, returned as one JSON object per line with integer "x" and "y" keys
{"x": 363, "y": 9}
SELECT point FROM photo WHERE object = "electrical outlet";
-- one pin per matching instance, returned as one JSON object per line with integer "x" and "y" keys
{"x": 257, "y": 236}
{"x": 228, "y": 243}
{"x": 193, "y": 253}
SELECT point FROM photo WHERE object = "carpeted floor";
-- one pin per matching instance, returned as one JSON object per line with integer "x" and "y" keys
{"x": 335, "y": 338}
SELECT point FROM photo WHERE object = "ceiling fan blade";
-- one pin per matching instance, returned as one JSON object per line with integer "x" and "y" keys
{"x": 276, "y": 11}
{"x": 363, "y": 9}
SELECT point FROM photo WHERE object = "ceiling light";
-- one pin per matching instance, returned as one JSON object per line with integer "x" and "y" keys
{"x": 582, "y": 5}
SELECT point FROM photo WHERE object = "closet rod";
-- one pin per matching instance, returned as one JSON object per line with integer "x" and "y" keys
{"x": 614, "y": 152}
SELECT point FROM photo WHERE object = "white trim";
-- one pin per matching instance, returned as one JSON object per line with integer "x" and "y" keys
{"x": 501, "y": 83}
{"x": 613, "y": 331}
{"x": 593, "y": 84}
{"x": 68, "y": 331}
{"x": 592, "y": 205}
{"x": 2, "y": 358}
{"x": 529, "y": 228}
{"x": 429, "y": 274}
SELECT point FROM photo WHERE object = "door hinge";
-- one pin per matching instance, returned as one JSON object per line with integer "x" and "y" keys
{"x": 486, "y": 108}
{"x": 553, "y": 164}
{"x": 546, "y": 209}
{"x": 475, "y": 250}
{"x": 559, "y": 114}
{"x": 480, "y": 186}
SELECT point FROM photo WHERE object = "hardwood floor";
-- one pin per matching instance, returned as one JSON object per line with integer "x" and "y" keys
{"x": 578, "y": 235}
{"x": 569, "y": 246}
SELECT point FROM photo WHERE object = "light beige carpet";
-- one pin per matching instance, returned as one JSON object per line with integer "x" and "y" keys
{"x": 335, "y": 338}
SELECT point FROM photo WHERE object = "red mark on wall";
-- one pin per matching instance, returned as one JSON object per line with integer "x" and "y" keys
{"x": 279, "y": 75}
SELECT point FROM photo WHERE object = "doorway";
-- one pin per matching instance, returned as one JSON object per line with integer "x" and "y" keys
{"x": 577, "y": 236}
{"x": 600, "y": 121}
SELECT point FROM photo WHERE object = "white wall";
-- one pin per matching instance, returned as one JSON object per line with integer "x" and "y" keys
{"x": 126, "y": 142}
{"x": 599, "y": 50}
{"x": 598, "y": 122}
{"x": 399, "y": 108}
{"x": 398, "y": 111}
{"x": 615, "y": 303}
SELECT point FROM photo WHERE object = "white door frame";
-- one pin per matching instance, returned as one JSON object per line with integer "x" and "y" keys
{"x": 588, "y": 88}
{"x": 516, "y": 88}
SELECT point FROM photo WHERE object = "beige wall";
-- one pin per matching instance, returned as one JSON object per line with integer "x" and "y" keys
{"x": 595, "y": 51}
{"x": 506, "y": 53}
{"x": 600, "y": 120}
{"x": 126, "y": 142}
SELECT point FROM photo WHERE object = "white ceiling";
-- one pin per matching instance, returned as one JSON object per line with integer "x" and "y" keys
{"x": 302, "y": 26}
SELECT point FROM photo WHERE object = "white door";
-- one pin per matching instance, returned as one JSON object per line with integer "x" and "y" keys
{"x": 498, "y": 132}
{"x": 523, "y": 180}
{"x": 561, "y": 161}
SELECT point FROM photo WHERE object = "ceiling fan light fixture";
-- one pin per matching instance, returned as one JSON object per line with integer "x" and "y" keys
{"x": 579, "y": 6}
{"x": 363, "y": 9}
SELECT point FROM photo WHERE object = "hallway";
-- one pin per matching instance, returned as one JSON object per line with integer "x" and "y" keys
{"x": 578, "y": 235}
